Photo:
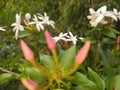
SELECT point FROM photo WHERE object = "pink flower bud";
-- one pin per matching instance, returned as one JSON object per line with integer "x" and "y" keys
{"x": 118, "y": 39}
{"x": 30, "y": 84}
{"x": 50, "y": 41}
{"x": 28, "y": 54}
{"x": 27, "y": 16}
{"x": 81, "y": 55}
{"x": 26, "y": 19}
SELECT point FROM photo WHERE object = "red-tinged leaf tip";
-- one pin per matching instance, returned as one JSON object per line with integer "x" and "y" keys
{"x": 81, "y": 55}
{"x": 28, "y": 54}
{"x": 30, "y": 84}
{"x": 50, "y": 41}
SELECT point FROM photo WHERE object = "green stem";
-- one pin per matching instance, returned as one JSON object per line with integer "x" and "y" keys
{"x": 10, "y": 72}
{"x": 55, "y": 57}
{"x": 95, "y": 53}
{"x": 36, "y": 65}
{"x": 73, "y": 69}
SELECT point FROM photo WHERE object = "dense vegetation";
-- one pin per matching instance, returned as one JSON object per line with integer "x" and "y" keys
{"x": 102, "y": 64}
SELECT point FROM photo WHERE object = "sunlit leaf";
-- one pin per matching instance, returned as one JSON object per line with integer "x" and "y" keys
{"x": 47, "y": 61}
{"x": 5, "y": 77}
{"x": 67, "y": 58}
{"x": 83, "y": 82}
{"x": 113, "y": 83}
{"x": 96, "y": 79}
{"x": 34, "y": 74}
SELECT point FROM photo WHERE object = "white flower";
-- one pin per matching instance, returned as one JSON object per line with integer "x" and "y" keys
{"x": 100, "y": 15}
{"x": 105, "y": 13}
{"x": 2, "y": 29}
{"x": 81, "y": 38}
{"x": 97, "y": 16}
{"x": 116, "y": 13}
{"x": 39, "y": 24}
{"x": 66, "y": 37}
{"x": 40, "y": 21}
{"x": 71, "y": 38}
{"x": 45, "y": 20}
{"x": 60, "y": 37}
{"x": 17, "y": 26}
{"x": 111, "y": 15}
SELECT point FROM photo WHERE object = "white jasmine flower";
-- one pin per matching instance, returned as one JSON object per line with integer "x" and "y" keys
{"x": 17, "y": 26}
{"x": 39, "y": 24}
{"x": 111, "y": 15}
{"x": 40, "y": 21}
{"x": 100, "y": 15}
{"x": 71, "y": 38}
{"x": 2, "y": 29}
{"x": 97, "y": 16}
{"x": 45, "y": 20}
{"x": 105, "y": 13}
{"x": 116, "y": 13}
{"x": 60, "y": 37}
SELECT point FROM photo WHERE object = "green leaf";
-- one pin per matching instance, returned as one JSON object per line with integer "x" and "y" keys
{"x": 82, "y": 82}
{"x": 47, "y": 61}
{"x": 24, "y": 33}
{"x": 108, "y": 60}
{"x": 113, "y": 83}
{"x": 36, "y": 75}
{"x": 15, "y": 59}
{"x": 5, "y": 77}
{"x": 67, "y": 58}
{"x": 96, "y": 79}
{"x": 110, "y": 33}
{"x": 84, "y": 87}
{"x": 91, "y": 39}
{"x": 107, "y": 56}
{"x": 108, "y": 41}
{"x": 22, "y": 67}
{"x": 6, "y": 61}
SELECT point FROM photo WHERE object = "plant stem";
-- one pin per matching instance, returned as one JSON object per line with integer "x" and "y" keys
{"x": 41, "y": 69}
{"x": 7, "y": 71}
{"x": 73, "y": 69}
{"x": 55, "y": 56}
{"x": 95, "y": 53}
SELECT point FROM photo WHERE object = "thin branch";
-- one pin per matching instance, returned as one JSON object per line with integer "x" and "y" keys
{"x": 7, "y": 71}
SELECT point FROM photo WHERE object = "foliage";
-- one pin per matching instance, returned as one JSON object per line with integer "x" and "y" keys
{"x": 69, "y": 16}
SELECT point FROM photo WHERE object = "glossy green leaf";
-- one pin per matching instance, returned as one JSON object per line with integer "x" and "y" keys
{"x": 36, "y": 75}
{"x": 47, "y": 61}
{"x": 96, "y": 79}
{"x": 5, "y": 77}
{"x": 67, "y": 58}
{"x": 113, "y": 83}
{"x": 82, "y": 82}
